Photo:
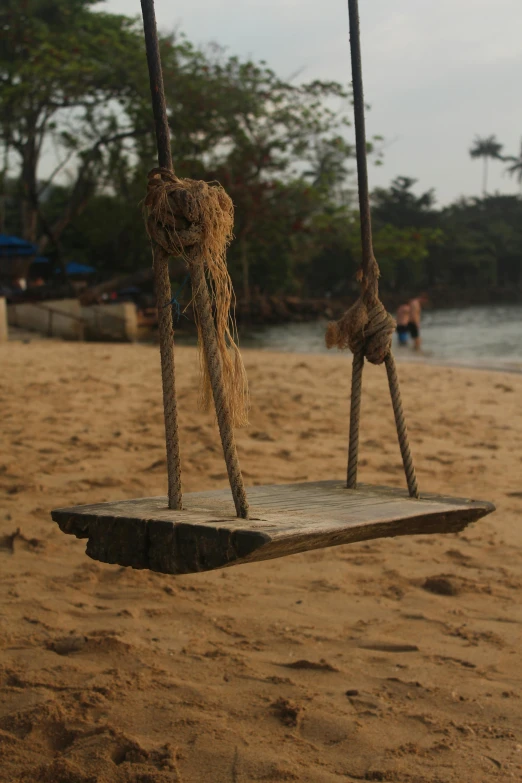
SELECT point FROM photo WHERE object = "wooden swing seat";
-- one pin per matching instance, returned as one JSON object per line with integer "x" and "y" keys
{"x": 284, "y": 520}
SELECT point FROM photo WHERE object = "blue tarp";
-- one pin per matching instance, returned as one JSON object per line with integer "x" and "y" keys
{"x": 132, "y": 289}
{"x": 79, "y": 269}
{"x": 73, "y": 268}
{"x": 14, "y": 246}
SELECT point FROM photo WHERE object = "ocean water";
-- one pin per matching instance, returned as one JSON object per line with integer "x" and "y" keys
{"x": 489, "y": 337}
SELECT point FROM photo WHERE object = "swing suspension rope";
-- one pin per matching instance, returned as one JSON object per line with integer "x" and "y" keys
{"x": 202, "y": 302}
{"x": 366, "y": 328}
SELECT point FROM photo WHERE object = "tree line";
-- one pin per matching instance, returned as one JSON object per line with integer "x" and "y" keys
{"x": 74, "y": 88}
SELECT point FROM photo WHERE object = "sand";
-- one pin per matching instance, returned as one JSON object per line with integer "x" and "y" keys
{"x": 395, "y": 660}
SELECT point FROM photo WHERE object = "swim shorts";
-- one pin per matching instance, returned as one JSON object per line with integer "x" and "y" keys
{"x": 402, "y": 333}
{"x": 413, "y": 330}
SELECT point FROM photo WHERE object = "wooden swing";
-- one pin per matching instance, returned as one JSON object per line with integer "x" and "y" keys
{"x": 200, "y": 531}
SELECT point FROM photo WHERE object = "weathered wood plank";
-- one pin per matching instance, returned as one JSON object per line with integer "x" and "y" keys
{"x": 285, "y": 519}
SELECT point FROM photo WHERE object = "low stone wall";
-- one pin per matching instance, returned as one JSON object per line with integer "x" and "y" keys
{"x": 66, "y": 318}
{"x": 54, "y": 318}
{"x": 117, "y": 321}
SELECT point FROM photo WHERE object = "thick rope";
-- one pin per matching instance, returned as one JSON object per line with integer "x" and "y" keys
{"x": 168, "y": 378}
{"x": 367, "y": 328}
{"x": 160, "y": 263}
{"x": 157, "y": 90}
{"x": 221, "y": 403}
{"x": 194, "y": 220}
{"x": 355, "y": 418}
{"x": 402, "y": 432}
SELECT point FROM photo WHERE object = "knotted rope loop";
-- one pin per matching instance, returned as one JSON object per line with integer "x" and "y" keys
{"x": 173, "y": 212}
{"x": 195, "y": 219}
{"x": 366, "y": 327}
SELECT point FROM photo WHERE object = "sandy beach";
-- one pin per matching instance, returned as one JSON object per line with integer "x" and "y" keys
{"x": 346, "y": 664}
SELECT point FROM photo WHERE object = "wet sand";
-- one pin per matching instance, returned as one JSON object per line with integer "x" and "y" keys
{"x": 395, "y": 660}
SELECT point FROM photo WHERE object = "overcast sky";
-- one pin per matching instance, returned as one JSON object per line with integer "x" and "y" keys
{"x": 436, "y": 72}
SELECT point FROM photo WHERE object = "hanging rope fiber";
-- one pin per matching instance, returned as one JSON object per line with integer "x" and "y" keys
{"x": 367, "y": 328}
{"x": 194, "y": 220}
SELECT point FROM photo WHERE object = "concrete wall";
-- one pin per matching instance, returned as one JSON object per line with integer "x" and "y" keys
{"x": 54, "y": 318}
{"x": 67, "y": 318}
{"x": 3, "y": 321}
{"x": 117, "y": 321}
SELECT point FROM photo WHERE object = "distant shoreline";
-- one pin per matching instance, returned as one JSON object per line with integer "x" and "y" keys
{"x": 408, "y": 358}
{"x": 461, "y": 365}
{"x": 402, "y": 358}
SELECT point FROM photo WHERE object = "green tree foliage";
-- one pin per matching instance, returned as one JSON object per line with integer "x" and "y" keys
{"x": 487, "y": 148}
{"x": 407, "y": 231}
{"x": 66, "y": 75}
{"x": 74, "y": 79}
{"x": 276, "y": 148}
{"x": 514, "y": 168}
{"x": 399, "y": 206}
{"x": 483, "y": 242}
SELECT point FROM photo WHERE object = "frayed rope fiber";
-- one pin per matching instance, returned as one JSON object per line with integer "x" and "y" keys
{"x": 366, "y": 326}
{"x": 195, "y": 220}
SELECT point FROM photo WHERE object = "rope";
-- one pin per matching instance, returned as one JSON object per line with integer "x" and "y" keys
{"x": 168, "y": 378}
{"x": 157, "y": 90}
{"x": 221, "y": 403}
{"x": 160, "y": 264}
{"x": 355, "y": 418}
{"x": 367, "y": 328}
{"x": 194, "y": 220}
{"x": 400, "y": 424}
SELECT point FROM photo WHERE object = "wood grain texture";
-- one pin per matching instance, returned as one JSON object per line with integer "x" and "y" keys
{"x": 285, "y": 519}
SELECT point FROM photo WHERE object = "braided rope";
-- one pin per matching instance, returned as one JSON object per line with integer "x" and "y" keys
{"x": 400, "y": 423}
{"x": 367, "y": 328}
{"x": 168, "y": 377}
{"x": 215, "y": 371}
{"x": 175, "y": 227}
{"x": 355, "y": 418}
{"x": 176, "y": 223}
{"x": 160, "y": 263}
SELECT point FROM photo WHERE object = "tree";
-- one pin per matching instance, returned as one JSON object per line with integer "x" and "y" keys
{"x": 261, "y": 134}
{"x": 78, "y": 79}
{"x": 406, "y": 228}
{"x": 483, "y": 242}
{"x": 66, "y": 75}
{"x": 277, "y": 148}
{"x": 486, "y": 148}
{"x": 514, "y": 168}
{"x": 400, "y": 207}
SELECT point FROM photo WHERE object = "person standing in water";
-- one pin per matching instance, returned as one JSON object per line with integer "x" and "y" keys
{"x": 415, "y": 306}
{"x": 403, "y": 321}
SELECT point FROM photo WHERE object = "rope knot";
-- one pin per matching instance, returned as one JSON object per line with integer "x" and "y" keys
{"x": 174, "y": 215}
{"x": 195, "y": 220}
{"x": 366, "y": 326}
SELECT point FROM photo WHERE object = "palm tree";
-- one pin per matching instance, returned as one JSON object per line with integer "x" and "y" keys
{"x": 486, "y": 148}
{"x": 515, "y": 167}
